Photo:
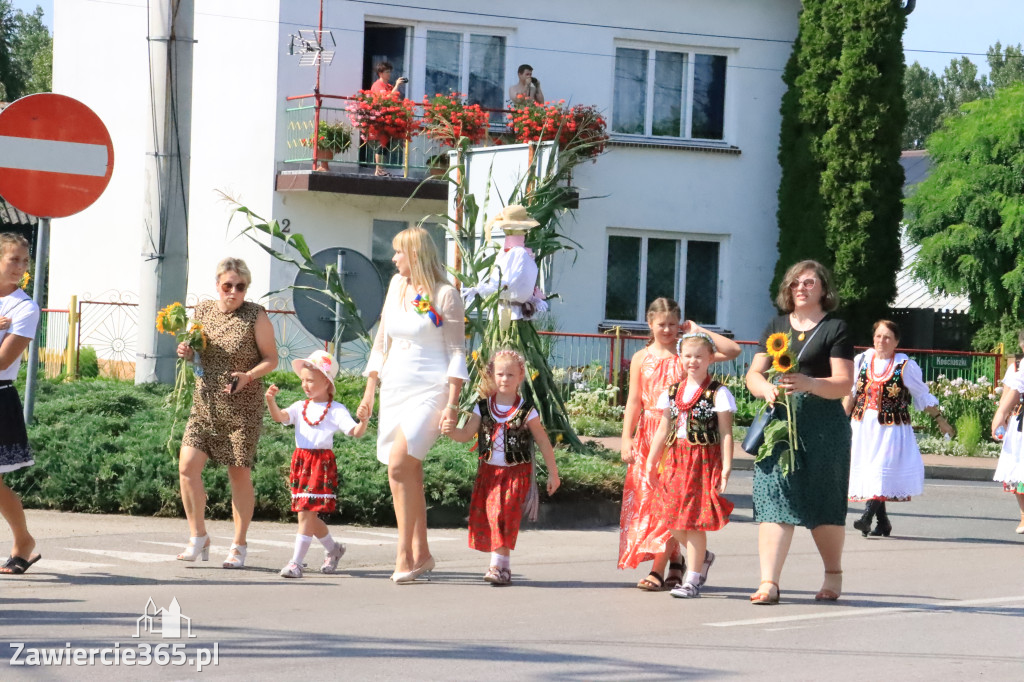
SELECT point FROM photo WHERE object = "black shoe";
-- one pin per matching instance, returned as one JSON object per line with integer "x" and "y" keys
{"x": 882, "y": 527}
{"x": 863, "y": 524}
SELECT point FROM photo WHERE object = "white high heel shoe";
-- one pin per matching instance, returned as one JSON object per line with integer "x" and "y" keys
{"x": 236, "y": 556}
{"x": 197, "y": 547}
{"x": 411, "y": 576}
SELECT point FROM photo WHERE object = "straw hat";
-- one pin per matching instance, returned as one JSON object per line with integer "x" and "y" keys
{"x": 321, "y": 361}
{"x": 512, "y": 219}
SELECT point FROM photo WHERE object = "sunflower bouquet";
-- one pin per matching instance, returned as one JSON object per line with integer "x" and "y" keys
{"x": 174, "y": 320}
{"x": 779, "y": 349}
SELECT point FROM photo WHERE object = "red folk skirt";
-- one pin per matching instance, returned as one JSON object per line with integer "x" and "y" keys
{"x": 686, "y": 496}
{"x": 496, "y": 508}
{"x": 314, "y": 480}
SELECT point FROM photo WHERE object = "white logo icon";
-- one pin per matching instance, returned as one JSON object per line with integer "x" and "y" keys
{"x": 164, "y": 622}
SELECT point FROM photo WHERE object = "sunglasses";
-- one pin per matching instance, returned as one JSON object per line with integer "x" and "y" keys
{"x": 226, "y": 287}
{"x": 805, "y": 283}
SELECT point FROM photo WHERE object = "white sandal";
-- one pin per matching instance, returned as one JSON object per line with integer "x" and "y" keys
{"x": 236, "y": 556}
{"x": 291, "y": 570}
{"x": 331, "y": 559}
{"x": 197, "y": 547}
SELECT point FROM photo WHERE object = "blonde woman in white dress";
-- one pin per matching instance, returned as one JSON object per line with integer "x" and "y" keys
{"x": 419, "y": 360}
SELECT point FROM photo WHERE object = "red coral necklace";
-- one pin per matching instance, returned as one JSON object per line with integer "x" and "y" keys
{"x": 685, "y": 406}
{"x": 322, "y": 416}
{"x": 492, "y": 407}
{"x": 885, "y": 372}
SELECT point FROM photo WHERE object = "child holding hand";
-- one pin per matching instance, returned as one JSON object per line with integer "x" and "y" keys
{"x": 696, "y": 429}
{"x": 507, "y": 426}
{"x": 314, "y": 471}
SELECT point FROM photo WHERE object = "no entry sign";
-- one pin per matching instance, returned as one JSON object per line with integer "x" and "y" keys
{"x": 56, "y": 157}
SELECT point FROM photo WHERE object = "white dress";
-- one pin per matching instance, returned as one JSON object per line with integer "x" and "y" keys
{"x": 1010, "y": 469}
{"x": 885, "y": 461}
{"x": 414, "y": 360}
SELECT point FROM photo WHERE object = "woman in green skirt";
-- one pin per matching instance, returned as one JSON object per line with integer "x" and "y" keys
{"x": 813, "y": 493}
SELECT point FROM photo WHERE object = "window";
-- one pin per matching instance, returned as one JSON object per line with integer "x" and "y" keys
{"x": 669, "y": 94}
{"x": 467, "y": 62}
{"x": 683, "y": 269}
{"x": 384, "y": 232}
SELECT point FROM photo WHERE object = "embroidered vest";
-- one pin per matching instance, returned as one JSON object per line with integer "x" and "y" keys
{"x": 516, "y": 435}
{"x": 893, "y": 399}
{"x": 701, "y": 420}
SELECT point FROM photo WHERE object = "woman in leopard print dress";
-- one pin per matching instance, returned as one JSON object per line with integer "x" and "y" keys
{"x": 227, "y": 406}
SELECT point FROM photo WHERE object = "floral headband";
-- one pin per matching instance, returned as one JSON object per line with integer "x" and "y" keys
{"x": 702, "y": 336}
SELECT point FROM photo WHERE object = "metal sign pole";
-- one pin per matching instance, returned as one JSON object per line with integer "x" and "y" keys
{"x": 338, "y": 310}
{"x": 42, "y": 253}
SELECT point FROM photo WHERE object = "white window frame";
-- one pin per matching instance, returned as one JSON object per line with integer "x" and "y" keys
{"x": 686, "y": 108}
{"x": 680, "y": 285}
{"x": 420, "y": 51}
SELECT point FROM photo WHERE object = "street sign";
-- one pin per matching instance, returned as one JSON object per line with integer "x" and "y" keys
{"x": 56, "y": 156}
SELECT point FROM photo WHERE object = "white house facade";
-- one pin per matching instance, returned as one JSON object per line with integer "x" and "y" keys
{"x": 682, "y": 204}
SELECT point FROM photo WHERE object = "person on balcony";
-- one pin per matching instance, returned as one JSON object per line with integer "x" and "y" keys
{"x": 527, "y": 86}
{"x": 382, "y": 86}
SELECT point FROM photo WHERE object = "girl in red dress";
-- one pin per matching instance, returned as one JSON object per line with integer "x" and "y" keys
{"x": 696, "y": 425}
{"x": 652, "y": 370}
{"x": 507, "y": 426}
{"x": 314, "y": 472}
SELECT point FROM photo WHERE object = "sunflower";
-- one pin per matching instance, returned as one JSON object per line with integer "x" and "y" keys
{"x": 782, "y": 363}
{"x": 778, "y": 343}
{"x": 172, "y": 319}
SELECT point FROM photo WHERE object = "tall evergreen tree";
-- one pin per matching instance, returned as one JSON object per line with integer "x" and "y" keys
{"x": 846, "y": 96}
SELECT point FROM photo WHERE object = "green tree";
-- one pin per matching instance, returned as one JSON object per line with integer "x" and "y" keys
{"x": 840, "y": 140}
{"x": 968, "y": 215}
{"x": 961, "y": 84}
{"x": 921, "y": 92}
{"x": 26, "y": 53}
{"x": 1006, "y": 68}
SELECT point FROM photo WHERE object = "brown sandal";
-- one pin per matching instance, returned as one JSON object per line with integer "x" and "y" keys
{"x": 766, "y": 598}
{"x": 652, "y": 583}
{"x": 825, "y": 594}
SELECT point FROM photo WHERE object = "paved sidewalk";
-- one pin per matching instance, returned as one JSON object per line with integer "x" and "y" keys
{"x": 935, "y": 466}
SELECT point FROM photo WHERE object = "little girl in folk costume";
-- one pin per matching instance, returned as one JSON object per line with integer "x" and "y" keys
{"x": 652, "y": 370}
{"x": 696, "y": 430}
{"x": 507, "y": 427}
{"x": 314, "y": 471}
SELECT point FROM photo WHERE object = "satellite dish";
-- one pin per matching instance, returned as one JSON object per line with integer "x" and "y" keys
{"x": 318, "y": 313}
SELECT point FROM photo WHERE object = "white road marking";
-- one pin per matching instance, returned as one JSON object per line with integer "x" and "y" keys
{"x": 51, "y": 156}
{"x": 137, "y": 557}
{"x": 868, "y": 612}
{"x": 213, "y": 548}
{"x": 47, "y": 565}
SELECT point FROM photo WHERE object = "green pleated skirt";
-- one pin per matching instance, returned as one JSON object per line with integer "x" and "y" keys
{"x": 815, "y": 493}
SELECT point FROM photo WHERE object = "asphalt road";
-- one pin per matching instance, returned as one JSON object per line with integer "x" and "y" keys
{"x": 942, "y": 597}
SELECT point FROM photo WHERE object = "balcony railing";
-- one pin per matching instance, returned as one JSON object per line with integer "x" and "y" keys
{"x": 409, "y": 159}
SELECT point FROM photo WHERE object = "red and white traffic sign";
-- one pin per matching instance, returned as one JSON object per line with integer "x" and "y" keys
{"x": 56, "y": 157}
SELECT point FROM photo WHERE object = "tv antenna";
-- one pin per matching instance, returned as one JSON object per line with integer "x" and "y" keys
{"x": 309, "y": 44}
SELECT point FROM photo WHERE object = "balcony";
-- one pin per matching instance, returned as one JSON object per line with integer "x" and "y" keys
{"x": 353, "y": 171}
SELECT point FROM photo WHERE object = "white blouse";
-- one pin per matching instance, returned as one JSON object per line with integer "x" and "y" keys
{"x": 913, "y": 378}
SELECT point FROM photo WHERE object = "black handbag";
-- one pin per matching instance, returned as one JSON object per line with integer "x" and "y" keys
{"x": 754, "y": 439}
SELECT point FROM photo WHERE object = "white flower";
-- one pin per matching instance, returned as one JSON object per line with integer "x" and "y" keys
{"x": 940, "y": 377}
{"x": 991, "y": 396}
{"x": 942, "y": 408}
{"x": 999, "y": 390}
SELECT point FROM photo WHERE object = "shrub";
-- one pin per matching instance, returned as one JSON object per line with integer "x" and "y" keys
{"x": 958, "y": 397}
{"x": 88, "y": 363}
{"x": 969, "y": 432}
{"x": 99, "y": 448}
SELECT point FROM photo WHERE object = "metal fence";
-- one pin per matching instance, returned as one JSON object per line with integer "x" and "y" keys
{"x": 109, "y": 328}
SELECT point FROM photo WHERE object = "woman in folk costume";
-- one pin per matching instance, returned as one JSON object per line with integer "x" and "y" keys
{"x": 1006, "y": 424}
{"x": 885, "y": 463}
